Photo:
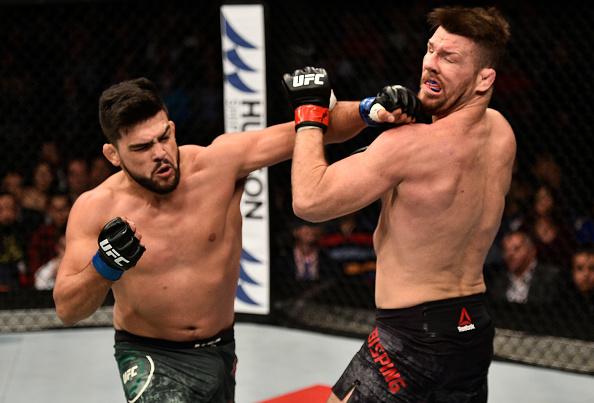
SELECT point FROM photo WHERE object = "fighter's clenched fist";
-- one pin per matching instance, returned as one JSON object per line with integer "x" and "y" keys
{"x": 375, "y": 110}
{"x": 119, "y": 249}
{"x": 309, "y": 92}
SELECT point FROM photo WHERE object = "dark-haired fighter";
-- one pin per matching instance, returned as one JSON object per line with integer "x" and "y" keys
{"x": 174, "y": 287}
{"x": 442, "y": 187}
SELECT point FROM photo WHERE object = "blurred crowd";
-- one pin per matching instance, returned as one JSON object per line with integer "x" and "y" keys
{"x": 34, "y": 208}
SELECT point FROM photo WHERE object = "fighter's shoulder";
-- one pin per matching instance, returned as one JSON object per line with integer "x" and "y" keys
{"x": 499, "y": 122}
{"x": 190, "y": 155}
{"x": 222, "y": 149}
{"x": 502, "y": 134}
{"x": 398, "y": 137}
{"x": 97, "y": 197}
{"x": 500, "y": 125}
{"x": 92, "y": 207}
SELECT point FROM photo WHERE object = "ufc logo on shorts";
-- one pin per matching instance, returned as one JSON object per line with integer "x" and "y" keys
{"x": 129, "y": 374}
{"x": 110, "y": 251}
{"x": 305, "y": 79}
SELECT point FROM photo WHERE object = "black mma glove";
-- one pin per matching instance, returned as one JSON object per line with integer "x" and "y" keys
{"x": 119, "y": 249}
{"x": 309, "y": 92}
{"x": 390, "y": 98}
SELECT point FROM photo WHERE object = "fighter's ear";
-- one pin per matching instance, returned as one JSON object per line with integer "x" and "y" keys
{"x": 172, "y": 125}
{"x": 111, "y": 153}
{"x": 485, "y": 79}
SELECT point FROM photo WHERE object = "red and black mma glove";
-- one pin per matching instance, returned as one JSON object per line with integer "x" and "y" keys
{"x": 119, "y": 249}
{"x": 309, "y": 93}
{"x": 390, "y": 98}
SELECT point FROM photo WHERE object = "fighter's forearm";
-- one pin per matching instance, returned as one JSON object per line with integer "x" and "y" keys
{"x": 308, "y": 169}
{"x": 345, "y": 122}
{"x": 79, "y": 295}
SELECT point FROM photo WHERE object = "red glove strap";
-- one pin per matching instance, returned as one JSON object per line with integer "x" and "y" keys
{"x": 312, "y": 113}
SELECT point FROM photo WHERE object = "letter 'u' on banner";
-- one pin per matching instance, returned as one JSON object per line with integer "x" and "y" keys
{"x": 244, "y": 69}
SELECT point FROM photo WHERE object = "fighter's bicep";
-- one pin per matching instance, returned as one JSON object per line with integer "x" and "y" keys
{"x": 357, "y": 181}
{"x": 252, "y": 150}
{"x": 363, "y": 173}
{"x": 385, "y": 161}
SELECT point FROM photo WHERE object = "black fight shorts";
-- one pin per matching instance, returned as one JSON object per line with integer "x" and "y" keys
{"x": 162, "y": 371}
{"x": 435, "y": 352}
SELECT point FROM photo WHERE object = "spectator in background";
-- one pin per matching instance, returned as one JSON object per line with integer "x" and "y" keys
{"x": 303, "y": 264}
{"x": 101, "y": 169}
{"x": 12, "y": 265}
{"x": 523, "y": 278}
{"x": 548, "y": 223}
{"x": 575, "y": 311}
{"x": 517, "y": 202}
{"x": 515, "y": 212}
{"x": 42, "y": 245}
{"x": 50, "y": 153}
{"x": 12, "y": 182}
{"x": 77, "y": 178}
{"x": 45, "y": 276}
{"x": 582, "y": 273}
{"x": 546, "y": 170}
{"x": 584, "y": 226}
{"x": 28, "y": 220}
{"x": 350, "y": 245}
{"x": 306, "y": 252}
{"x": 35, "y": 197}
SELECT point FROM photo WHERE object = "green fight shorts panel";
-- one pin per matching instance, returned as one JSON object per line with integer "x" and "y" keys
{"x": 160, "y": 371}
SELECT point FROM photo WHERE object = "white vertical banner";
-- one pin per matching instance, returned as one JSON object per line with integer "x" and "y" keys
{"x": 244, "y": 68}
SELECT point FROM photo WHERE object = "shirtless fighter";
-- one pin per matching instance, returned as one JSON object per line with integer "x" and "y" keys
{"x": 164, "y": 234}
{"x": 442, "y": 187}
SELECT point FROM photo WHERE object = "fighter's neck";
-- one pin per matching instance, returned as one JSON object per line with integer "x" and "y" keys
{"x": 470, "y": 112}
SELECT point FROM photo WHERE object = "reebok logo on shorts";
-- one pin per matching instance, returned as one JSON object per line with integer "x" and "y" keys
{"x": 465, "y": 323}
{"x": 390, "y": 373}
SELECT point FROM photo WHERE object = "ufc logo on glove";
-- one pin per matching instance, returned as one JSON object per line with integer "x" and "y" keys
{"x": 301, "y": 80}
{"x": 110, "y": 251}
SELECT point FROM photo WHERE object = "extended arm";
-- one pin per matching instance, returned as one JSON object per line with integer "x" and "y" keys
{"x": 260, "y": 148}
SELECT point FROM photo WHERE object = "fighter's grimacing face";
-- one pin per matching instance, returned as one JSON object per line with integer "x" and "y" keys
{"x": 449, "y": 72}
{"x": 148, "y": 152}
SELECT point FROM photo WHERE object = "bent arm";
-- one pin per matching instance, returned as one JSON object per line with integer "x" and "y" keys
{"x": 260, "y": 148}
{"x": 322, "y": 192}
{"x": 79, "y": 290}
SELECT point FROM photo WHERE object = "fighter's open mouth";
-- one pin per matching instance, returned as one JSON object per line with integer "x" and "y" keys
{"x": 163, "y": 169}
{"x": 433, "y": 85}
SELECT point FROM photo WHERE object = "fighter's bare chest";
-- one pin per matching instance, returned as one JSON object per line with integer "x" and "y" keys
{"x": 178, "y": 222}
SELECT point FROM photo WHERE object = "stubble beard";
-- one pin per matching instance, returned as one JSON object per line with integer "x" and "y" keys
{"x": 152, "y": 185}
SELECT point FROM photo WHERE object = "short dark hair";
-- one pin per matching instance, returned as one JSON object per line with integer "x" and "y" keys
{"x": 485, "y": 26}
{"x": 124, "y": 105}
{"x": 521, "y": 233}
{"x": 4, "y": 193}
{"x": 586, "y": 248}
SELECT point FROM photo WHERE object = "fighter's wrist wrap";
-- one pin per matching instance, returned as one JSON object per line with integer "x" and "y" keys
{"x": 307, "y": 116}
{"x": 104, "y": 269}
{"x": 364, "y": 109}
{"x": 119, "y": 249}
{"x": 390, "y": 98}
{"x": 310, "y": 96}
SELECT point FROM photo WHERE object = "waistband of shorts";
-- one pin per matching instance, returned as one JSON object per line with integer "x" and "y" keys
{"x": 223, "y": 337}
{"x": 418, "y": 314}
